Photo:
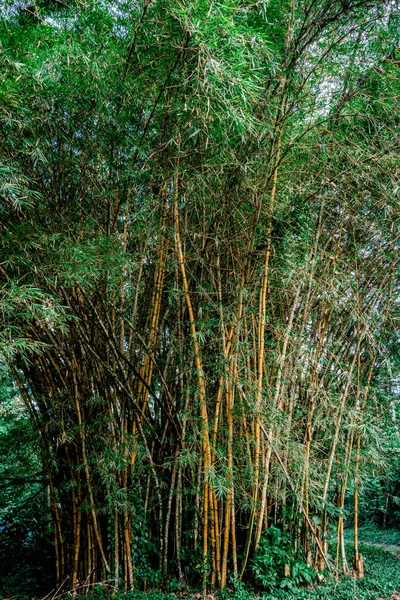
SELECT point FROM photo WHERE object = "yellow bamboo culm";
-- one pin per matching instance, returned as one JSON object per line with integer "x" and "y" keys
{"x": 201, "y": 387}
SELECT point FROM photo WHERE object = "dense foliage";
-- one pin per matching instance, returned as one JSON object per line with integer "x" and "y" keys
{"x": 199, "y": 223}
{"x": 26, "y": 552}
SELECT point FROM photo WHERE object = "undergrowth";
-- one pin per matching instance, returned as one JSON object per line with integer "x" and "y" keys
{"x": 382, "y": 578}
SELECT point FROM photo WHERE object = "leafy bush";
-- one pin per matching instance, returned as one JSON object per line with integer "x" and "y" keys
{"x": 277, "y": 565}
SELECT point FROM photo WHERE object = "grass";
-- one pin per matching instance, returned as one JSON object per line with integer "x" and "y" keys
{"x": 373, "y": 535}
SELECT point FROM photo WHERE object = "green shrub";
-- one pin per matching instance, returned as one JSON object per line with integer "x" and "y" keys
{"x": 275, "y": 564}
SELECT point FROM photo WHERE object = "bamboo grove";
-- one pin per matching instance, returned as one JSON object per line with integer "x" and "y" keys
{"x": 199, "y": 265}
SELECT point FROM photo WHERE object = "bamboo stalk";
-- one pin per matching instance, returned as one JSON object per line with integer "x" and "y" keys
{"x": 200, "y": 382}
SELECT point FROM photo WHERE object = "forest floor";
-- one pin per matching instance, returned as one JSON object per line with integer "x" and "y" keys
{"x": 389, "y": 548}
{"x": 381, "y": 552}
{"x": 381, "y": 581}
